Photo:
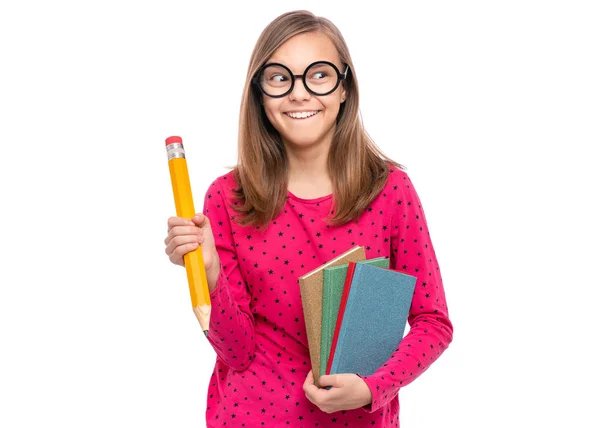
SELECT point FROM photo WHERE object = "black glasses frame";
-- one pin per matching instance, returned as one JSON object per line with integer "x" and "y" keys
{"x": 340, "y": 77}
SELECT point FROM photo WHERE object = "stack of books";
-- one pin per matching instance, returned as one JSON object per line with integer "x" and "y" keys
{"x": 355, "y": 312}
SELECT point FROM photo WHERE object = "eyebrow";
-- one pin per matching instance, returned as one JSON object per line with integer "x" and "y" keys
{"x": 341, "y": 68}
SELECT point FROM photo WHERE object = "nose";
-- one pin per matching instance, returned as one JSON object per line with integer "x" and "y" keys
{"x": 299, "y": 91}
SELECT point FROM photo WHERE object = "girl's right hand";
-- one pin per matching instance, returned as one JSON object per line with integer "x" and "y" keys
{"x": 185, "y": 235}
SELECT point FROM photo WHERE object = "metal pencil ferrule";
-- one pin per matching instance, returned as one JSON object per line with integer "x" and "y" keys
{"x": 175, "y": 150}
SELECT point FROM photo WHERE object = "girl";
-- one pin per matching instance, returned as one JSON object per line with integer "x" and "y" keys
{"x": 309, "y": 184}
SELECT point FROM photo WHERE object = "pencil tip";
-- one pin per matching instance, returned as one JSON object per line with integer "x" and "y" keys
{"x": 205, "y": 333}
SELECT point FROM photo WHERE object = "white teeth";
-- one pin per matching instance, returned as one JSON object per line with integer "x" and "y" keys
{"x": 302, "y": 114}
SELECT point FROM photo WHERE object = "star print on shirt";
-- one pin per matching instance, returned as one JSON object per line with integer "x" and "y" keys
{"x": 257, "y": 324}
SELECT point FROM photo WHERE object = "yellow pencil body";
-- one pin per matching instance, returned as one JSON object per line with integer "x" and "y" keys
{"x": 184, "y": 206}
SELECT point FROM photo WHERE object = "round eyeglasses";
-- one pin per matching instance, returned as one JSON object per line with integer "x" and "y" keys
{"x": 320, "y": 78}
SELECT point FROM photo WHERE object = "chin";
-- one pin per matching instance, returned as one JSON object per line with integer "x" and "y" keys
{"x": 304, "y": 141}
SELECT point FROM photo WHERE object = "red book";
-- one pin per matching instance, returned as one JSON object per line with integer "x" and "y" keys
{"x": 338, "y": 323}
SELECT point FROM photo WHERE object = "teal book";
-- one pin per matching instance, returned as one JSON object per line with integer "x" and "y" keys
{"x": 333, "y": 286}
{"x": 374, "y": 319}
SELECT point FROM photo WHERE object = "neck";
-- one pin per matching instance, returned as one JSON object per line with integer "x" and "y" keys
{"x": 308, "y": 162}
{"x": 308, "y": 171}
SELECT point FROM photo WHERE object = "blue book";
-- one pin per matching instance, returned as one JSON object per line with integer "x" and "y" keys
{"x": 333, "y": 287}
{"x": 374, "y": 319}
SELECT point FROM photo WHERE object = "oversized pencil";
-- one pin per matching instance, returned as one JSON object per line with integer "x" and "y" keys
{"x": 184, "y": 205}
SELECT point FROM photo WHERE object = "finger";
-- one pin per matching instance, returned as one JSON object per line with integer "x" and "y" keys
{"x": 332, "y": 380}
{"x": 201, "y": 220}
{"x": 309, "y": 379}
{"x": 182, "y": 250}
{"x": 178, "y": 221}
{"x": 181, "y": 231}
{"x": 178, "y": 255}
{"x": 313, "y": 393}
{"x": 180, "y": 245}
{"x": 309, "y": 384}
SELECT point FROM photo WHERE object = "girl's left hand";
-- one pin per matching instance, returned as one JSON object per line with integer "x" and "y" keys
{"x": 348, "y": 391}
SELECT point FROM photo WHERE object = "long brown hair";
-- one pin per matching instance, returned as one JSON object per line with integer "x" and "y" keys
{"x": 357, "y": 167}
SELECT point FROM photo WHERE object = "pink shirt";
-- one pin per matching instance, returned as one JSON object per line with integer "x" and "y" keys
{"x": 257, "y": 327}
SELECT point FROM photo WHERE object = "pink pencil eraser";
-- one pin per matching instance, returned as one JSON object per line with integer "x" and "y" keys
{"x": 172, "y": 140}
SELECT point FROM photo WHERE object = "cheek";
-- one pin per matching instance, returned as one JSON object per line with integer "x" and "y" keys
{"x": 334, "y": 101}
{"x": 333, "y": 107}
{"x": 271, "y": 110}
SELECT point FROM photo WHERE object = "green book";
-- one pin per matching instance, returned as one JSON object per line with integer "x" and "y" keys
{"x": 333, "y": 287}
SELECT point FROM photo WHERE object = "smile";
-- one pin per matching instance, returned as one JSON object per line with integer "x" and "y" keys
{"x": 301, "y": 114}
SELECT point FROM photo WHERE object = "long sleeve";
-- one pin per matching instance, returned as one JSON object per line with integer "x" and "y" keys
{"x": 231, "y": 329}
{"x": 430, "y": 328}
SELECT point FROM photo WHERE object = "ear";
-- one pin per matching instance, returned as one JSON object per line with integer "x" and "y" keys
{"x": 343, "y": 94}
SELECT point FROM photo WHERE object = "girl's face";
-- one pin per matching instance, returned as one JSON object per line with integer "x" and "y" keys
{"x": 301, "y": 118}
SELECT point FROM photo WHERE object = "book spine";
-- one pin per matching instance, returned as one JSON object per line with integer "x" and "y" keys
{"x": 326, "y": 333}
{"x": 334, "y": 360}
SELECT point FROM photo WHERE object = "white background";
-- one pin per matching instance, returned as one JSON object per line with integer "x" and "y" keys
{"x": 492, "y": 106}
